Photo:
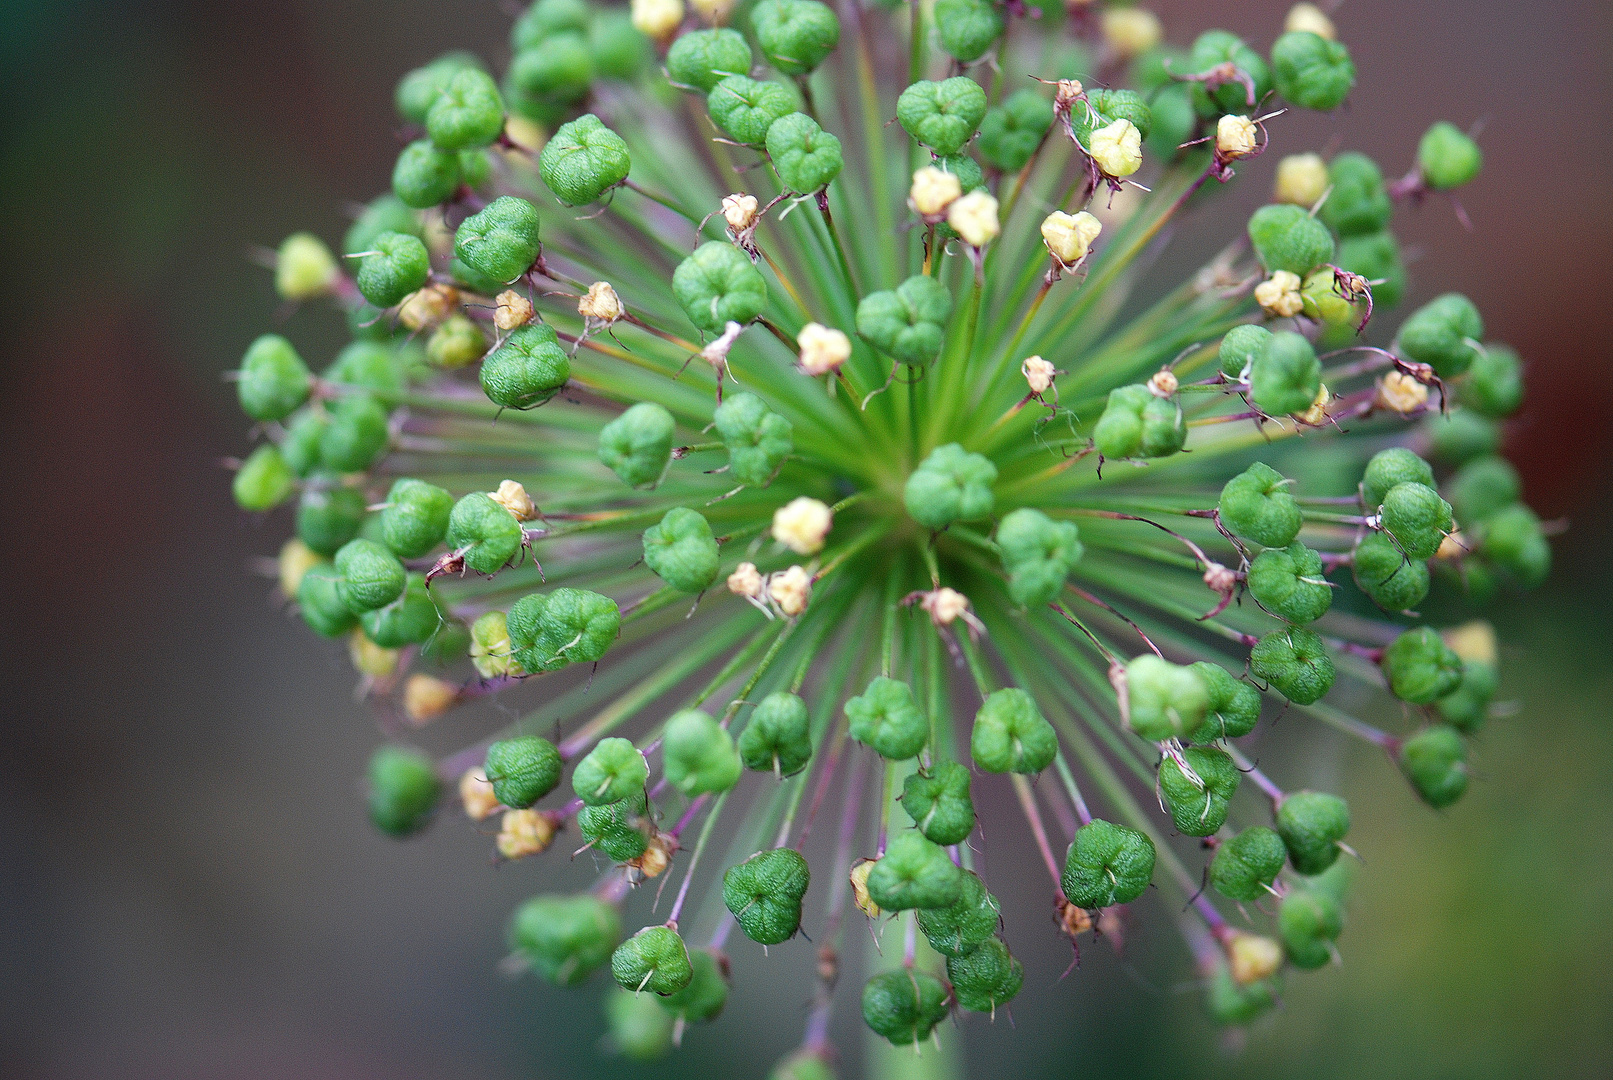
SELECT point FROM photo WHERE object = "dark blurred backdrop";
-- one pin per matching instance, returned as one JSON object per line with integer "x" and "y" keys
{"x": 187, "y": 885}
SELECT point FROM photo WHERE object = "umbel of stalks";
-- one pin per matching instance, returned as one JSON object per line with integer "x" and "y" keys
{"x": 761, "y": 381}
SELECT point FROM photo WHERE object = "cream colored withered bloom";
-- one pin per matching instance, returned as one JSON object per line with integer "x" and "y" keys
{"x": 1131, "y": 31}
{"x": 1117, "y": 148}
{"x": 739, "y": 210}
{"x": 427, "y": 307}
{"x": 524, "y": 832}
{"x": 1163, "y": 383}
{"x": 1253, "y": 957}
{"x": 790, "y": 590}
{"x": 1453, "y": 545}
{"x": 1309, "y": 17}
{"x": 1069, "y": 236}
{"x": 1279, "y": 294}
{"x": 511, "y": 310}
{"x": 1317, "y": 413}
{"x": 1066, "y": 92}
{"x": 601, "y": 304}
{"x": 823, "y": 348}
{"x": 656, "y": 858}
{"x": 1039, "y": 374}
{"x": 933, "y": 191}
{"x": 1236, "y": 136}
{"x": 859, "y": 888}
{"x": 513, "y": 497}
{"x": 1301, "y": 179}
{"x": 746, "y": 581}
{"x": 1400, "y": 393}
{"x": 802, "y": 524}
{"x": 296, "y": 559}
{"x": 369, "y": 658}
{"x": 426, "y": 697}
{"x": 974, "y": 217}
{"x": 476, "y": 793}
{"x": 1220, "y": 578}
{"x": 946, "y": 606}
{"x": 657, "y": 19}
{"x": 714, "y": 12}
{"x": 1473, "y": 641}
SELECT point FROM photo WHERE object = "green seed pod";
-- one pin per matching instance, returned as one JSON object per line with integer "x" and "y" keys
{"x": 639, "y": 1027}
{"x": 1494, "y": 384}
{"x": 1309, "y": 922}
{"x": 1104, "y": 107}
{"x": 1376, "y": 257}
{"x": 328, "y": 517}
{"x": 764, "y": 894}
{"x": 1420, "y": 667}
{"x": 618, "y": 49}
{"x": 904, "y": 1006}
{"x": 1107, "y": 864}
{"x": 1214, "y": 48}
{"x": 403, "y": 790}
{"x": 1165, "y": 701}
{"x": 319, "y": 599}
{"x": 1230, "y": 1004}
{"x": 1239, "y": 348}
{"x": 300, "y": 446}
{"x": 1011, "y": 735}
{"x": 457, "y": 342}
{"x": 546, "y": 18}
{"x": 475, "y": 169}
{"x": 583, "y": 160}
{"x": 802, "y": 1065}
{"x": 263, "y": 481}
{"x": 1483, "y": 488}
{"x": 718, "y": 285}
{"x": 778, "y": 738}
{"x": 1174, "y": 119}
{"x": 1435, "y": 761}
{"x": 1294, "y": 661}
{"x": 703, "y": 58}
{"x": 985, "y": 978}
{"x": 914, "y": 873}
{"x": 1234, "y": 704}
{"x": 1287, "y": 238}
{"x": 550, "y": 630}
{"x": 703, "y": 999}
{"x": 1442, "y": 334}
{"x": 1467, "y": 707}
{"x": 654, "y": 959}
{"x": 1011, "y": 132}
{"x": 1311, "y": 824}
{"x": 1325, "y": 304}
{"x": 387, "y": 213}
{"x": 744, "y": 108}
{"x": 886, "y": 719}
{"x": 527, "y": 370}
{"x": 613, "y": 770}
{"x": 682, "y": 551}
{"x": 371, "y": 576}
{"x": 486, "y": 533}
{"x": 1290, "y": 583}
{"x": 1392, "y": 581}
{"x": 1513, "y": 540}
{"x": 565, "y": 938}
{"x": 501, "y": 240}
{"x": 559, "y": 68}
{"x": 939, "y": 803}
{"x": 969, "y": 174}
{"x": 1358, "y": 205}
{"x": 959, "y": 929}
{"x": 1245, "y": 866}
{"x": 1138, "y": 424}
{"x": 419, "y": 89}
{"x": 1447, "y": 157}
{"x": 468, "y": 113}
{"x": 1416, "y": 517}
{"x": 942, "y": 115}
{"x": 1199, "y": 809}
{"x": 354, "y": 435}
{"x": 908, "y": 322}
{"x": 637, "y": 445}
{"x": 273, "y": 379}
{"x": 1396, "y": 465}
{"x": 698, "y": 754}
{"x": 1286, "y": 375}
{"x": 523, "y": 770}
{"x": 304, "y": 268}
{"x": 795, "y": 35}
{"x": 1038, "y": 554}
{"x": 968, "y": 28}
{"x": 949, "y": 485}
{"x": 369, "y": 365}
{"x": 1312, "y": 71}
{"x": 758, "y": 439}
{"x": 411, "y": 619}
{"x": 621, "y": 830}
{"x": 807, "y": 157}
{"x": 425, "y": 175}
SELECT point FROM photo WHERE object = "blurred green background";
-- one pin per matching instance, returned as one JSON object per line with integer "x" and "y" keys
{"x": 187, "y": 884}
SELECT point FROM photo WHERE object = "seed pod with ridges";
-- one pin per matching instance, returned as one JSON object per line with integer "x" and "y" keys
{"x": 637, "y": 445}
{"x": 1441, "y": 334}
{"x": 907, "y": 323}
{"x": 886, "y": 719}
{"x": 1214, "y": 48}
{"x": 1011, "y": 735}
{"x": 1165, "y": 701}
{"x": 1512, "y": 539}
{"x": 807, "y": 157}
{"x": 1199, "y": 809}
{"x": 546, "y": 18}
{"x": 419, "y": 89}
{"x": 1295, "y": 662}
{"x": 1358, "y": 205}
{"x": 583, "y": 160}
{"x": 1392, "y": 581}
{"x": 914, "y": 873}
{"x": 1107, "y": 864}
{"x": 424, "y": 174}
{"x": 1435, "y": 761}
{"x": 613, "y": 770}
{"x": 939, "y": 803}
{"x": 355, "y": 434}
{"x": 387, "y": 213}
{"x": 745, "y": 108}
{"x": 1420, "y": 667}
{"x": 1483, "y": 488}
{"x": 903, "y": 1006}
{"x": 565, "y": 938}
{"x": 968, "y": 28}
{"x": 1416, "y": 517}
{"x": 1289, "y": 583}
{"x": 1245, "y": 866}
{"x": 1312, "y": 71}
{"x": 704, "y": 58}
{"x": 499, "y": 241}
{"x": 942, "y": 115}
{"x": 795, "y": 35}
{"x": 411, "y": 619}
{"x": 368, "y": 365}
{"x": 1396, "y": 465}
{"x": 319, "y": 600}
{"x": 1309, "y": 922}
{"x": 1136, "y": 423}
{"x": 949, "y": 485}
{"x": 1011, "y": 132}
{"x": 1240, "y": 346}
{"x": 1286, "y": 375}
{"x": 682, "y": 551}
{"x": 1234, "y": 704}
{"x": 758, "y": 439}
{"x": 1231, "y": 1004}
{"x": 1256, "y": 505}
{"x": 703, "y": 999}
{"x": 522, "y": 770}
{"x": 620, "y": 830}
{"x": 403, "y": 790}
{"x": 415, "y": 518}
{"x": 328, "y": 517}
{"x": 273, "y": 379}
{"x": 1286, "y": 237}
{"x": 486, "y": 532}
{"x": 958, "y": 929}
{"x": 467, "y": 113}
{"x": 778, "y": 738}
{"x": 764, "y": 894}
{"x": 370, "y": 576}
{"x": 1447, "y": 157}
{"x": 263, "y": 481}
{"x": 564, "y": 626}
{"x": 698, "y": 754}
{"x": 654, "y": 959}
{"x": 1038, "y": 554}
{"x": 527, "y": 370}
{"x": 1494, "y": 384}
{"x": 718, "y": 285}
{"x": 985, "y": 978}
{"x": 1311, "y": 824}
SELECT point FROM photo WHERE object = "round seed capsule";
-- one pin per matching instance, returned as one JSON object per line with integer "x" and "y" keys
{"x": 806, "y": 157}
{"x": 703, "y": 58}
{"x": 950, "y": 484}
{"x": 522, "y": 770}
{"x": 1295, "y": 661}
{"x": 939, "y": 803}
{"x": 718, "y": 285}
{"x": 1442, "y": 334}
{"x": 1137, "y": 423}
{"x": 1011, "y": 735}
{"x": 565, "y": 938}
{"x": 703, "y": 999}
{"x": 415, "y": 519}
{"x": 1420, "y": 667}
{"x": 758, "y": 439}
{"x": 1234, "y": 704}
{"x": 583, "y": 160}
{"x": 985, "y": 978}
{"x": 1384, "y": 573}
{"x": 412, "y": 619}
{"x": 1038, "y": 554}
{"x": 328, "y": 517}
{"x": 1311, "y": 824}
{"x": 1311, "y": 70}
{"x": 613, "y": 770}
{"x": 1416, "y": 517}
{"x": 1286, "y": 376}
{"x": 654, "y": 959}
{"x": 1198, "y": 809}
{"x": 1107, "y": 864}
{"x": 764, "y": 894}
{"x": 467, "y": 113}
{"x": 425, "y": 174}
{"x": 639, "y": 1027}
{"x": 903, "y": 1006}
{"x": 960, "y": 928}
{"x": 795, "y": 35}
{"x": 263, "y": 481}
{"x": 354, "y": 435}
{"x": 682, "y": 551}
{"x": 550, "y": 630}
{"x": 942, "y": 115}
{"x": 637, "y": 445}
{"x": 1245, "y": 866}
{"x": 273, "y": 379}
{"x": 1435, "y": 761}
{"x": 907, "y": 323}
{"x": 403, "y": 790}
{"x": 1165, "y": 701}
{"x": 1286, "y": 237}
{"x": 319, "y": 600}
{"x": 485, "y": 532}
{"x": 1011, "y": 132}
{"x": 1289, "y": 583}
{"x": 1309, "y": 921}
{"x": 1448, "y": 157}
{"x": 914, "y": 873}
{"x": 698, "y": 754}
{"x": 500, "y": 241}
{"x": 370, "y": 575}
{"x": 886, "y": 719}
{"x": 1396, "y": 465}
{"x": 527, "y": 370}
{"x": 620, "y": 829}
{"x": 778, "y": 738}
{"x": 1256, "y": 505}
{"x": 744, "y": 109}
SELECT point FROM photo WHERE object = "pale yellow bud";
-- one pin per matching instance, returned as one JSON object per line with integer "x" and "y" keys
{"x": 428, "y": 307}
{"x": 946, "y": 605}
{"x": 524, "y": 832}
{"x": 1453, "y": 545}
{"x": 369, "y": 658}
{"x": 525, "y": 133}
{"x": 974, "y": 217}
{"x": 823, "y": 348}
{"x": 513, "y": 497}
{"x": 304, "y": 268}
{"x": 1309, "y": 17}
{"x": 1117, "y": 148}
{"x": 1253, "y": 957}
{"x": 601, "y": 303}
{"x": 1236, "y": 136}
{"x": 1301, "y": 179}
{"x": 739, "y": 210}
{"x": 296, "y": 559}
{"x": 714, "y": 12}
{"x": 859, "y": 888}
{"x": 1069, "y": 236}
{"x": 426, "y": 697}
{"x": 657, "y": 19}
{"x": 1131, "y": 31}
{"x": 511, "y": 310}
{"x": 790, "y": 590}
{"x": 1400, "y": 393}
{"x": 1279, "y": 295}
{"x": 801, "y": 525}
{"x": 1038, "y": 373}
{"x": 745, "y": 581}
{"x": 656, "y": 858}
{"x": 933, "y": 191}
{"x": 476, "y": 793}
{"x": 1317, "y": 413}
{"x": 1163, "y": 383}
{"x": 1473, "y": 641}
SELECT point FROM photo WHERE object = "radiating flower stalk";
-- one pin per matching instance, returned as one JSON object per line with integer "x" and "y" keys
{"x": 821, "y": 471}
